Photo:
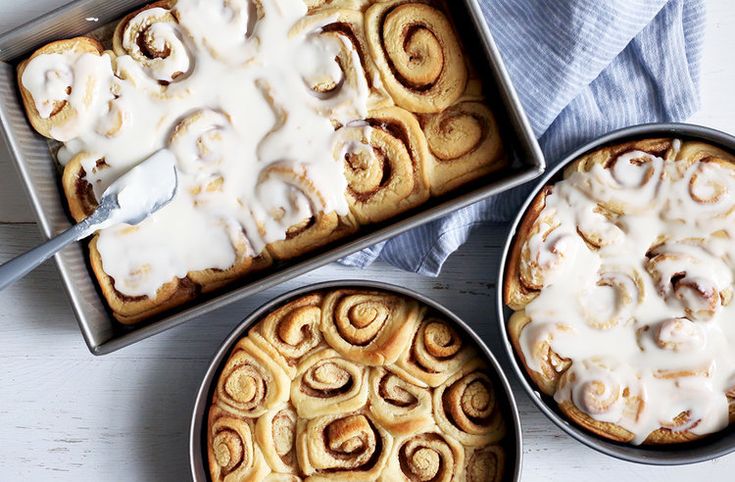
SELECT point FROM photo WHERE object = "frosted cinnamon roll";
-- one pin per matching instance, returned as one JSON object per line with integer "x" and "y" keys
{"x": 357, "y": 72}
{"x": 417, "y": 53}
{"x": 275, "y": 432}
{"x": 483, "y": 464}
{"x": 542, "y": 255}
{"x": 251, "y": 383}
{"x": 129, "y": 309}
{"x": 342, "y": 447}
{"x": 326, "y": 384}
{"x": 368, "y": 327}
{"x": 291, "y": 332}
{"x": 466, "y": 408}
{"x": 292, "y": 201}
{"x": 625, "y": 178}
{"x": 686, "y": 272}
{"x": 397, "y": 404}
{"x": 79, "y": 192}
{"x": 232, "y": 451}
{"x": 621, "y": 284}
{"x": 532, "y": 342}
{"x": 436, "y": 352}
{"x": 430, "y": 455}
{"x": 385, "y": 165}
{"x": 153, "y": 38}
{"x": 223, "y": 27}
{"x": 464, "y": 143}
{"x": 64, "y": 85}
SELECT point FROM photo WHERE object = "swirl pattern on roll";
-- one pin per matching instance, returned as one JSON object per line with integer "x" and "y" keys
{"x": 417, "y": 52}
{"x": 484, "y": 464}
{"x": 291, "y": 332}
{"x": 397, "y": 404}
{"x": 152, "y": 37}
{"x": 464, "y": 142}
{"x": 465, "y": 407}
{"x": 436, "y": 352}
{"x": 275, "y": 432}
{"x": 326, "y": 384}
{"x": 385, "y": 165}
{"x": 368, "y": 327}
{"x": 425, "y": 456}
{"x": 344, "y": 446}
{"x": 251, "y": 382}
{"x": 233, "y": 453}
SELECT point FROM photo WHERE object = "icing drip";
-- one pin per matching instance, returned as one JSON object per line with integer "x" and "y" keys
{"x": 228, "y": 89}
{"x": 642, "y": 306}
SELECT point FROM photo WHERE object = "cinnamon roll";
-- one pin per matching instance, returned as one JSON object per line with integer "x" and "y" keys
{"x": 436, "y": 352}
{"x": 294, "y": 204}
{"x": 368, "y": 327}
{"x": 327, "y": 383}
{"x": 62, "y": 85}
{"x": 464, "y": 143}
{"x": 484, "y": 464}
{"x": 321, "y": 410}
{"x": 233, "y": 453}
{"x": 430, "y": 455}
{"x": 275, "y": 432}
{"x": 385, "y": 165}
{"x": 129, "y": 309}
{"x": 291, "y": 332}
{"x": 79, "y": 192}
{"x": 153, "y": 38}
{"x": 251, "y": 383}
{"x": 417, "y": 53}
{"x": 466, "y": 408}
{"x": 397, "y": 404}
{"x": 342, "y": 447}
{"x": 619, "y": 276}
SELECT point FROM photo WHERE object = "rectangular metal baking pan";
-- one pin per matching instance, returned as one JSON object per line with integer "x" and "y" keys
{"x": 39, "y": 173}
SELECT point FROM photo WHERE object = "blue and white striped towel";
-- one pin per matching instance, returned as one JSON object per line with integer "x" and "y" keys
{"x": 581, "y": 68}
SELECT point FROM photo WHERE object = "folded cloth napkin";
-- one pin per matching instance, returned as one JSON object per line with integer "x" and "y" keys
{"x": 581, "y": 68}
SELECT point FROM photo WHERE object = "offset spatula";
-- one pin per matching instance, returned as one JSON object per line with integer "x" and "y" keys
{"x": 133, "y": 197}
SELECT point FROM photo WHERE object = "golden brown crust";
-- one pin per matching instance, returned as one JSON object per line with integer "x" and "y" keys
{"x": 311, "y": 234}
{"x": 345, "y": 420}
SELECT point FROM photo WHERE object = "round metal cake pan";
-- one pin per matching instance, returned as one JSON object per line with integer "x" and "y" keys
{"x": 197, "y": 432}
{"x": 707, "y": 448}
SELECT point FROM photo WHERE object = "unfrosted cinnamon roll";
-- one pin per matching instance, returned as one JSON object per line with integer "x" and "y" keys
{"x": 326, "y": 384}
{"x": 342, "y": 447}
{"x": 275, "y": 432}
{"x": 425, "y": 456}
{"x": 483, "y": 464}
{"x": 291, "y": 332}
{"x": 368, "y": 327}
{"x": 466, "y": 408}
{"x": 417, "y": 53}
{"x": 251, "y": 383}
{"x": 464, "y": 143}
{"x": 62, "y": 85}
{"x": 436, "y": 352}
{"x": 153, "y": 38}
{"x": 342, "y": 4}
{"x": 233, "y": 453}
{"x": 385, "y": 165}
{"x": 397, "y": 404}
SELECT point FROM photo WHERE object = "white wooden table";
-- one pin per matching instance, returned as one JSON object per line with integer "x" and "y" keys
{"x": 66, "y": 415}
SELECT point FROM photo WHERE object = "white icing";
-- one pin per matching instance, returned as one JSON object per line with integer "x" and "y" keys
{"x": 646, "y": 318}
{"x": 254, "y": 143}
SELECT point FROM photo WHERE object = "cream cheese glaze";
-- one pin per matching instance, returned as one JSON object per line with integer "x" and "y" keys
{"x": 646, "y": 317}
{"x": 234, "y": 101}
